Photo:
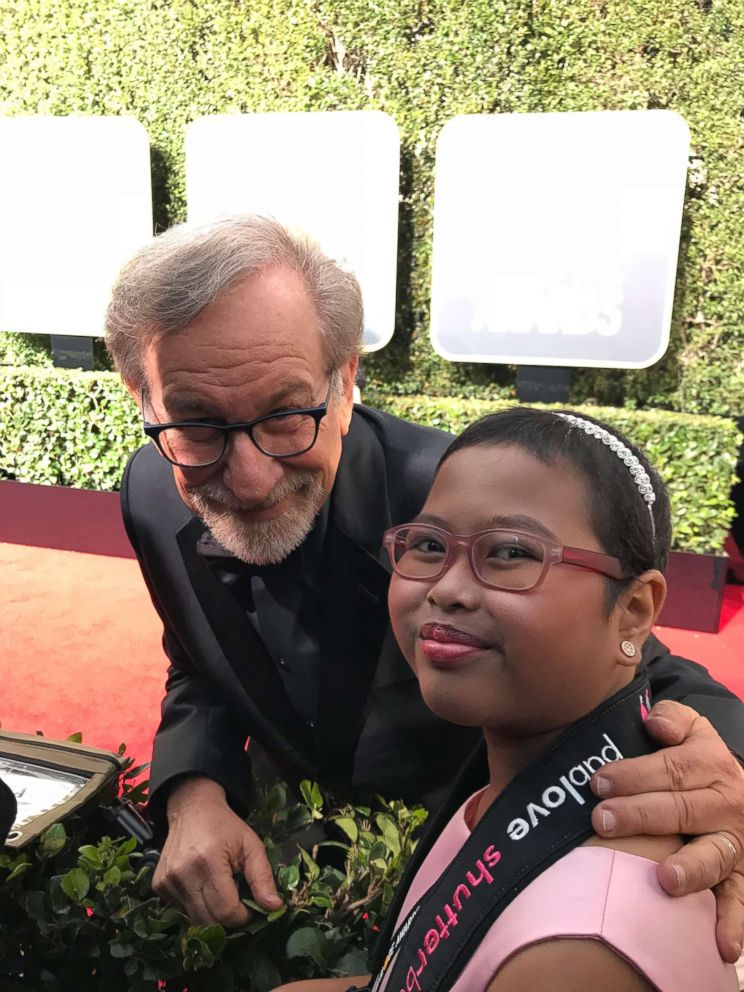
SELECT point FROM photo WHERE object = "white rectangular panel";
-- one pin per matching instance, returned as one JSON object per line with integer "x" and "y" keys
{"x": 331, "y": 174}
{"x": 75, "y": 204}
{"x": 556, "y": 237}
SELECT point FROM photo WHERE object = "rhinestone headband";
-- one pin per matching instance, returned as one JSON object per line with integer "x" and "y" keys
{"x": 640, "y": 475}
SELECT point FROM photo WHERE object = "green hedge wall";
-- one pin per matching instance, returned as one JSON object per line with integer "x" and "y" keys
{"x": 77, "y": 429}
{"x": 66, "y": 428}
{"x": 422, "y": 61}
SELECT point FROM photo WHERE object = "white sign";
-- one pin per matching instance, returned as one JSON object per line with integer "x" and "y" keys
{"x": 75, "y": 204}
{"x": 556, "y": 237}
{"x": 333, "y": 175}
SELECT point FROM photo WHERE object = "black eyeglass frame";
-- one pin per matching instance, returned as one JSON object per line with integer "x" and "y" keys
{"x": 553, "y": 554}
{"x": 153, "y": 431}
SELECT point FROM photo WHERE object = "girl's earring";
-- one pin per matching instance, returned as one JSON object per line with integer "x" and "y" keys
{"x": 628, "y": 649}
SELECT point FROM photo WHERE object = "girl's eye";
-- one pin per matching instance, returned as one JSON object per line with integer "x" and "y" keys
{"x": 510, "y": 552}
{"x": 425, "y": 544}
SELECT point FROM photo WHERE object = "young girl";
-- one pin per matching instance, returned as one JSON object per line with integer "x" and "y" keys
{"x": 521, "y": 597}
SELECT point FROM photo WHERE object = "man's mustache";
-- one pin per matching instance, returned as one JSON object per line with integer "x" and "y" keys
{"x": 219, "y": 494}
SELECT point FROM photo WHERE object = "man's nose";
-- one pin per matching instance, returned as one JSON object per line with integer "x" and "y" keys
{"x": 248, "y": 473}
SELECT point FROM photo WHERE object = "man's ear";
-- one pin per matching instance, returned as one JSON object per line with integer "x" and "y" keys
{"x": 346, "y": 400}
{"x": 134, "y": 391}
{"x": 639, "y": 606}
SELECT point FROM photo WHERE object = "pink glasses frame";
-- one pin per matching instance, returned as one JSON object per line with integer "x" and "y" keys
{"x": 553, "y": 554}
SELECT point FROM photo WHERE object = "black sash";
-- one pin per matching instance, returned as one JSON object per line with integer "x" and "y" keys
{"x": 541, "y": 815}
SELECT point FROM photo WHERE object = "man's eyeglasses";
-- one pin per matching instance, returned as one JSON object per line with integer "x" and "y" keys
{"x": 197, "y": 444}
{"x": 500, "y": 559}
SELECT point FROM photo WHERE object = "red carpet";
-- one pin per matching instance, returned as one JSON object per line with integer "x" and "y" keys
{"x": 80, "y": 641}
{"x": 721, "y": 653}
{"x": 80, "y": 648}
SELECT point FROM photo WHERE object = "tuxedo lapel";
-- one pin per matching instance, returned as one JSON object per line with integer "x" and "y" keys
{"x": 355, "y": 621}
{"x": 356, "y": 581}
{"x": 242, "y": 647}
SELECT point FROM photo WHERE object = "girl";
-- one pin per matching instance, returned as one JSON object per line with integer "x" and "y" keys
{"x": 521, "y": 597}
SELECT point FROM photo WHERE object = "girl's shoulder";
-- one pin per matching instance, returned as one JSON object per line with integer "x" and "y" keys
{"x": 601, "y": 907}
{"x": 565, "y": 965}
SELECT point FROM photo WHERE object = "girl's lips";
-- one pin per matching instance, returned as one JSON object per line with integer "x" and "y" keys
{"x": 444, "y": 646}
{"x": 444, "y": 634}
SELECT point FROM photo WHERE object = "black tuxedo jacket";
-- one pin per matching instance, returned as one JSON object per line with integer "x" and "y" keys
{"x": 373, "y": 730}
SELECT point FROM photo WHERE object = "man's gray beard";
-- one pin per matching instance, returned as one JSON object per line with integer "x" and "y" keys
{"x": 261, "y": 542}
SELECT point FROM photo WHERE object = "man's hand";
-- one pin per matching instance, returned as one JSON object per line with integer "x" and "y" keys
{"x": 694, "y": 785}
{"x": 207, "y": 845}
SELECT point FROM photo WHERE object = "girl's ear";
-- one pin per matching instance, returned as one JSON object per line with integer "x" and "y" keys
{"x": 639, "y": 606}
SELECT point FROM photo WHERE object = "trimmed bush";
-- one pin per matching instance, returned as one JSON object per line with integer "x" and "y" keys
{"x": 77, "y": 429}
{"x": 423, "y": 61}
{"x": 64, "y": 427}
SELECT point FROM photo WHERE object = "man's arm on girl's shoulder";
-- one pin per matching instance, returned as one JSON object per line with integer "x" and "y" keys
{"x": 568, "y": 966}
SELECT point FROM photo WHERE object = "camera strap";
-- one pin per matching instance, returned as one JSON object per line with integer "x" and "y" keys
{"x": 542, "y": 814}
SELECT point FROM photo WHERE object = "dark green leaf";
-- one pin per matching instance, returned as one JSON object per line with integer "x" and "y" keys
{"x": 90, "y": 854}
{"x": 215, "y": 939}
{"x": 348, "y": 826}
{"x": 75, "y": 884}
{"x": 52, "y": 840}
{"x": 112, "y": 876}
{"x": 121, "y": 948}
{"x": 308, "y": 942}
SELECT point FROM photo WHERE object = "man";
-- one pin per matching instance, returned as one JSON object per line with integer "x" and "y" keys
{"x": 257, "y": 518}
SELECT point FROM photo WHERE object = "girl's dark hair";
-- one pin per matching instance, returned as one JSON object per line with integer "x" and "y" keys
{"x": 618, "y": 512}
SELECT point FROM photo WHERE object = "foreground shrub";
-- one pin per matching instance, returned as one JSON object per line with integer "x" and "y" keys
{"x": 79, "y": 915}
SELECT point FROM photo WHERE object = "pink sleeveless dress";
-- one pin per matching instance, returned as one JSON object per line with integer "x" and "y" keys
{"x": 600, "y": 894}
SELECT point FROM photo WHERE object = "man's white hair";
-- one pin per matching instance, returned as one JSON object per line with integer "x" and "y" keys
{"x": 180, "y": 272}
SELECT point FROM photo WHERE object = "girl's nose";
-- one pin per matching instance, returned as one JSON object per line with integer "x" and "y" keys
{"x": 457, "y": 588}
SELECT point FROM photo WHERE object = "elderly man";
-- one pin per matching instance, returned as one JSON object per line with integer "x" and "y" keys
{"x": 257, "y": 516}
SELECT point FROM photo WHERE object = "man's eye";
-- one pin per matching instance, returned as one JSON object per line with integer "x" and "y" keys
{"x": 298, "y": 403}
